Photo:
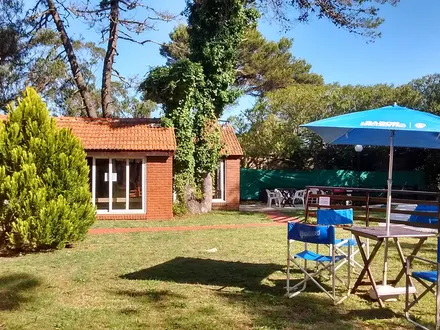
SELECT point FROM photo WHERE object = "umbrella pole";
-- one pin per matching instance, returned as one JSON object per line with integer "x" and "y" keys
{"x": 437, "y": 292}
{"x": 388, "y": 213}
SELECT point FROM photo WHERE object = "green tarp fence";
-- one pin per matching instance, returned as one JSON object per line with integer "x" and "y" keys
{"x": 254, "y": 182}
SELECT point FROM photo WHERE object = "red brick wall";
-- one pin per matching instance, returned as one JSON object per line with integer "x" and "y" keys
{"x": 232, "y": 185}
{"x": 159, "y": 176}
{"x": 159, "y": 187}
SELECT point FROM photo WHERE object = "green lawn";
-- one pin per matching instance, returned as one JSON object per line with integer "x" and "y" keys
{"x": 168, "y": 280}
{"x": 215, "y": 218}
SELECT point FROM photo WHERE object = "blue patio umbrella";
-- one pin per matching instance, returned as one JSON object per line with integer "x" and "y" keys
{"x": 403, "y": 127}
{"x": 392, "y": 126}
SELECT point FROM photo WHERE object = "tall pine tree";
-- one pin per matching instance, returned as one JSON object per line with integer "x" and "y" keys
{"x": 194, "y": 92}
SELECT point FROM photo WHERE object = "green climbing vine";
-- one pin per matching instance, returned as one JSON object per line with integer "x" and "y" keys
{"x": 176, "y": 87}
{"x": 195, "y": 91}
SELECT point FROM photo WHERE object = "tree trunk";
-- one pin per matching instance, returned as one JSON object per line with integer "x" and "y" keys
{"x": 207, "y": 193}
{"x": 106, "y": 91}
{"x": 73, "y": 61}
{"x": 205, "y": 205}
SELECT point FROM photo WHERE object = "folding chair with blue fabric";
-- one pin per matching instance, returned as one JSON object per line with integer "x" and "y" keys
{"x": 340, "y": 218}
{"x": 310, "y": 234}
{"x": 428, "y": 278}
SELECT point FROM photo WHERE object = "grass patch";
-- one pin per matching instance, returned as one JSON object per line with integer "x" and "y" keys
{"x": 168, "y": 280}
{"x": 214, "y": 218}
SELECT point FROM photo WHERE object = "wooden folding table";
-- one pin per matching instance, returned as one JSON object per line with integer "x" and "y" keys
{"x": 379, "y": 234}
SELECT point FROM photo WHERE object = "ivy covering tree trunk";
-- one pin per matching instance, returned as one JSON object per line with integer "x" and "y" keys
{"x": 45, "y": 201}
{"x": 195, "y": 90}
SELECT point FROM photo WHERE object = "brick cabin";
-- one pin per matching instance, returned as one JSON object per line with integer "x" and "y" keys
{"x": 226, "y": 181}
{"x": 139, "y": 154}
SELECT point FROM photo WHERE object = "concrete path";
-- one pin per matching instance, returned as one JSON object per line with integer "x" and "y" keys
{"x": 261, "y": 207}
{"x": 279, "y": 217}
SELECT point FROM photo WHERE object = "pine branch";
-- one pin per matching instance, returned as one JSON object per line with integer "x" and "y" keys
{"x": 142, "y": 42}
{"x": 120, "y": 77}
{"x": 83, "y": 12}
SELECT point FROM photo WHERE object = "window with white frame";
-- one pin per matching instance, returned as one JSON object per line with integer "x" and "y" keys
{"x": 218, "y": 183}
{"x": 118, "y": 184}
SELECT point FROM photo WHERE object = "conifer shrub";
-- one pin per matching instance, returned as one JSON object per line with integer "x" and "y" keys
{"x": 45, "y": 202}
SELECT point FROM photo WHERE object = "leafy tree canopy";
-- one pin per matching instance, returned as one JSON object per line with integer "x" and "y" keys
{"x": 271, "y": 130}
{"x": 195, "y": 89}
{"x": 356, "y": 16}
{"x": 32, "y": 54}
{"x": 262, "y": 65}
{"x": 12, "y": 49}
{"x": 429, "y": 87}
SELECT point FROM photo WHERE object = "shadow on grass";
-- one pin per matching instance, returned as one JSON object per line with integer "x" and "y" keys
{"x": 15, "y": 290}
{"x": 373, "y": 314}
{"x": 307, "y": 311}
{"x": 261, "y": 298}
{"x": 149, "y": 295}
{"x": 15, "y": 254}
{"x": 310, "y": 311}
{"x": 160, "y": 299}
{"x": 208, "y": 272}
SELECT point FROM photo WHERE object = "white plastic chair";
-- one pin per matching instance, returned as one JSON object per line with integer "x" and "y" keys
{"x": 272, "y": 196}
{"x": 299, "y": 194}
{"x": 279, "y": 196}
{"x": 315, "y": 191}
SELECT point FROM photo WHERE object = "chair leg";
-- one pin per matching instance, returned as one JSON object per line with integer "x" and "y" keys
{"x": 333, "y": 274}
{"x": 293, "y": 291}
{"x": 308, "y": 277}
{"x": 296, "y": 292}
{"x": 288, "y": 268}
{"x": 408, "y": 305}
{"x": 348, "y": 268}
{"x": 353, "y": 262}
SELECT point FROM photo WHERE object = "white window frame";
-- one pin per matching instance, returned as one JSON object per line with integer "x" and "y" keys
{"x": 222, "y": 182}
{"x": 127, "y": 193}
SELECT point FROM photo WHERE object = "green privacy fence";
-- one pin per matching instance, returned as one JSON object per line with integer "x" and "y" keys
{"x": 254, "y": 182}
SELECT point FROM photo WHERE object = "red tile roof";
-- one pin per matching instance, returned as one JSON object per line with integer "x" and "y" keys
{"x": 231, "y": 146}
{"x": 133, "y": 134}
{"x": 125, "y": 134}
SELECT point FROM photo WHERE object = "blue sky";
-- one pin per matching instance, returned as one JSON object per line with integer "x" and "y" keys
{"x": 409, "y": 47}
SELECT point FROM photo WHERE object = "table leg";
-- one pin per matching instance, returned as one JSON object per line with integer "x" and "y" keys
{"x": 402, "y": 256}
{"x": 367, "y": 262}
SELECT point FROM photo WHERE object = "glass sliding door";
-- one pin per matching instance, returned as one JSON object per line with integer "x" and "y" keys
{"x": 119, "y": 184}
{"x": 218, "y": 182}
{"x": 102, "y": 184}
{"x": 136, "y": 184}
